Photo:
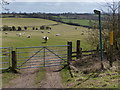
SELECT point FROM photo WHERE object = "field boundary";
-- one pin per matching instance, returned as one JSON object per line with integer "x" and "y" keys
{"x": 70, "y": 55}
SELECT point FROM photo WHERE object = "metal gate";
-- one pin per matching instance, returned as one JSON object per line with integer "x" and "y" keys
{"x": 42, "y": 56}
{"x": 5, "y": 56}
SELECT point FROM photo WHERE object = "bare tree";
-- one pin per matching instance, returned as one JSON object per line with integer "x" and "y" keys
{"x": 3, "y": 3}
{"x": 110, "y": 24}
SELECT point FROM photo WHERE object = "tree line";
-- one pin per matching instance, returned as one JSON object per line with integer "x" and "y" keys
{"x": 19, "y": 28}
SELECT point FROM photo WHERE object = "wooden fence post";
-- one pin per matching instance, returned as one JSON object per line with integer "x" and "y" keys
{"x": 78, "y": 50}
{"x": 14, "y": 61}
{"x": 69, "y": 51}
{"x": 69, "y": 56}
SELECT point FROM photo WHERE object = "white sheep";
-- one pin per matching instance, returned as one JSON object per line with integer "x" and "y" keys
{"x": 45, "y": 38}
{"x": 42, "y": 31}
{"x": 29, "y": 36}
{"x": 48, "y": 31}
{"x": 19, "y": 34}
{"x": 57, "y": 34}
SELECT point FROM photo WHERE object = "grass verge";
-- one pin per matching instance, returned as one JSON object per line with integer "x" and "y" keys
{"x": 108, "y": 78}
{"x": 65, "y": 75}
{"x": 7, "y": 76}
{"x": 40, "y": 75}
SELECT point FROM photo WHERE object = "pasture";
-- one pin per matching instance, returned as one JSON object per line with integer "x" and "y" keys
{"x": 25, "y": 22}
{"x": 67, "y": 33}
{"x": 78, "y": 21}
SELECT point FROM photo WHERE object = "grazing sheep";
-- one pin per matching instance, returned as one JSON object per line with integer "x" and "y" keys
{"x": 19, "y": 34}
{"x": 42, "y": 31}
{"x": 45, "y": 38}
{"x": 29, "y": 36}
{"x": 36, "y": 28}
{"x": 57, "y": 34}
{"x": 82, "y": 33}
{"x": 48, "y": 31}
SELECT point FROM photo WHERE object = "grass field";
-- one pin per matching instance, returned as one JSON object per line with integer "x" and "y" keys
{"x": 67, "y": 33}
{"x": 77, "y": 21}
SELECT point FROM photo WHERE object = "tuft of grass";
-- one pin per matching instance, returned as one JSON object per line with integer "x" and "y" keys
{"x": 89, "y": 81}
{"x": 65, "y": 75}
{"x": 40, "y": 75}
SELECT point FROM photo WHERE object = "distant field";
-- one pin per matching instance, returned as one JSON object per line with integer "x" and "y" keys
{"x": 78, "y": 21}
{"x": 25, "y": 22}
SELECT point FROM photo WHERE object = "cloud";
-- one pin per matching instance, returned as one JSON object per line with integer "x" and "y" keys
{"x": 62, "y": 0}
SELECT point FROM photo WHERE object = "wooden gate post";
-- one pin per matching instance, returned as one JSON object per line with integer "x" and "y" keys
{"x": 69, "y": 56}
{"x": 78, "y": 50}
{"x": 14, "y": 61}
{"x": 69, "y": 51}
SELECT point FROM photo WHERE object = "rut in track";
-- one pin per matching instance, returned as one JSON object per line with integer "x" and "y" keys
{"x": 53, "y": 79}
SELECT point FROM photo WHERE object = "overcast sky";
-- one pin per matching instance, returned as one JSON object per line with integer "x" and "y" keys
{"x": 63, "y": 0}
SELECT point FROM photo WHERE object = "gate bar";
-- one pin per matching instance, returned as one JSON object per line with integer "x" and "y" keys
{"x": 44, "y": 56}
{"x": 30, "y": 57}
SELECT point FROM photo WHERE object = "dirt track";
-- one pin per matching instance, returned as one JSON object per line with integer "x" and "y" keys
{"x": 27, "y": 79}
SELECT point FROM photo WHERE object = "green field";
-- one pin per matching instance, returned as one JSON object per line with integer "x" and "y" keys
{"x": 84, "y": 22}
{"x": 67, "y": 33}
{"x": 77, "y": 21}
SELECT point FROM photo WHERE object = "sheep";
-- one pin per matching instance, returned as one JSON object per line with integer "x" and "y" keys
{"x": 29, "y": 36}
{"x": 19, "y": 34}
{"x": 45, "y": 38}
{"x": 82, "y": 33}
{"x": 48, "y": 31}
{"x": 57, "y": 34}
{"x": 42, "y": 31}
